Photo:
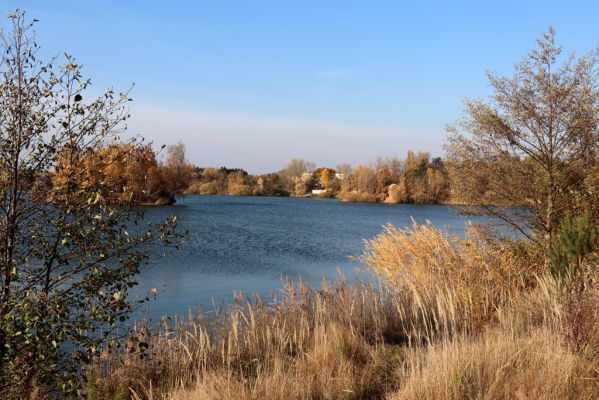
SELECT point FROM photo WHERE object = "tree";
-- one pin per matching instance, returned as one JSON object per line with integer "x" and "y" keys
{"x": 532, "y": 143}
{"x": 344, "y": 172}
{"x": 394, "y": 166}
{"x": 384, "y": 178}
{"x": 274, "y": 185}
{"x": 127, "y": 172}
{"x": 575, "y": 242}
{"x": 177, "y": 171}
{"x": 237, "y": 183}
{"x": 325, "y": 176}
{"x": 67, "y": 260}
{"x": 364, "y": 179}
{"x": 436, "y": 182}
{"x": 411, "y": 163}
{"x": 294, "y": 170}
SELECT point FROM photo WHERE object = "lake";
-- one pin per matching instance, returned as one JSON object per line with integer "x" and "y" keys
{"x": 251, "y": 244}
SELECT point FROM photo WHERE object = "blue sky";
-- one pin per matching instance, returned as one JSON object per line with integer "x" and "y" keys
{"x": 254, "y": 83}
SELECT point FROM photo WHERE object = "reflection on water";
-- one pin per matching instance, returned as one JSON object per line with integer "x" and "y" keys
{"x": 251, "y": 244}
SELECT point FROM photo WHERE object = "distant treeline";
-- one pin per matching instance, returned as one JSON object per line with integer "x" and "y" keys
{"x": 130, "y": 173}
{"x": 416, "y": 179}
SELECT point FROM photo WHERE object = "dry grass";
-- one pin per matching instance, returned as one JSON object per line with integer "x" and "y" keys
{"x": 497, "y": 365}
{"x": 454, "y": 319}
{"x": 524, "y": 355}
{"x": 328, "y": 344}
{"x": 474, "y": 276}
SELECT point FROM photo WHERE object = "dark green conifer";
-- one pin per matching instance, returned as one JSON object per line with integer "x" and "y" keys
{"x": 577, "y": 240}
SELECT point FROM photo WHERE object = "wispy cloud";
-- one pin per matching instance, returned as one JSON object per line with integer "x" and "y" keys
{"x": 335, "y": 72}
{"x": 262, "y": 143}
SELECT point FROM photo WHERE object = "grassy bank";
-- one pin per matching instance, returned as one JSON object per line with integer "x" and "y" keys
{"x": 456, "y": 318}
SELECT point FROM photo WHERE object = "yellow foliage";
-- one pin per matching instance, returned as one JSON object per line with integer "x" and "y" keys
{"x": 209, "y": 188}
{"x": 354, "y": 196}
{"x": 121, "y": 173}
{"x": 236, "y": 189}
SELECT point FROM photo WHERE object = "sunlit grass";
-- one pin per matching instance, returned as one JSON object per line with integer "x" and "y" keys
{"x": 449, "y": 318}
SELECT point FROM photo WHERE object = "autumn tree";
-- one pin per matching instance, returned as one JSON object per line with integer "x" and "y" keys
{"x": 532, "y": 143}
{"x": 436, "y": 183}
{"x": 212, "y": 181}
{"x": 274, "y": 185}
{"x": 176, "y": 170}
{"x": 237, "y": 183}
{"x": 296, "y": 167}
{"x": 383, "y": 178}
{"x": 395, "y": 167}
{"x": 67, "y": 260}
{"x": 127, "y": 173}
{"x": 399, "y": 192}
{"x": 294, "y": 170}
{"x": 411, "y": 161}
{"x": 344, "y": 172}
{"x": 364, "y": 179}
{"x": 325, "y": 178}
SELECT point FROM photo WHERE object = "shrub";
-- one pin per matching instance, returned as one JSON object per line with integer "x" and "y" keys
{"x": 572, "y": 263}
{"x": 235, "y": 189}
{"x": 358, "y": 197}
{"x": 209, "y": 188}
{"x": 397, "y": 193}
{"x": 194, "y": 188}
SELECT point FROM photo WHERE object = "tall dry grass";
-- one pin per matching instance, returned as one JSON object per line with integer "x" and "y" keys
{"x": 328, "y": 344}
{"x": 525, "y": 354}
{"x": 470, "y": 277}
{"x": 450, "y": 318}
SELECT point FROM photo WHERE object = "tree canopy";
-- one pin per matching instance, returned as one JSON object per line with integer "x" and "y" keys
{"x": 534, "y": 143}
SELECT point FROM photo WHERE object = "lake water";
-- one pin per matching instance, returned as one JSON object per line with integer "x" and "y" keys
{"x": 251, "y": 244}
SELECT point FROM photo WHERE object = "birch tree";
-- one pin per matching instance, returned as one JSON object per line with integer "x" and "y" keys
{"x": 531, "y": 144}
{"x": 67, "y": 260}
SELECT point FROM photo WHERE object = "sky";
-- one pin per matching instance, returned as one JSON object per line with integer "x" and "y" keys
{"x": 252, "y": 84}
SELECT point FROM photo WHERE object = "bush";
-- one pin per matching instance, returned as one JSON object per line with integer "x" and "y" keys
{"x": 397, "y": 194}
{"x": 572, "y": 264}
{"x": 358, "y": 197}
{"x": 235, "y": 189}
{"x": 209, "y": 188}
{"x": 194, "y": 188}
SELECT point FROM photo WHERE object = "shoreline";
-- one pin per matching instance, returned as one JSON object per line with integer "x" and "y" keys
{"x": 308, "y": 196}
